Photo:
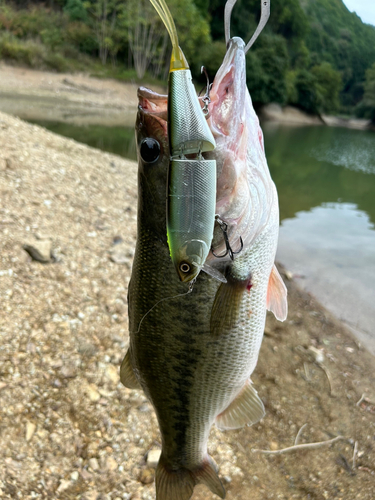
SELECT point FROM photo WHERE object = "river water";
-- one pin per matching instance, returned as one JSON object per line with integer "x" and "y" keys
{"x": 326, "y": 183}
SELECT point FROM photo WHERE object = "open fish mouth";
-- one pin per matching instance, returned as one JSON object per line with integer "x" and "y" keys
{"x": 229, "y": 90}
{"x": 152, "y": 116}
{"x": 152, "y": 102}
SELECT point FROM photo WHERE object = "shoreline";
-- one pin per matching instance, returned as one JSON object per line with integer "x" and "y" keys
{"x": 80, "y": 99}
{"x": 289, "y": 115}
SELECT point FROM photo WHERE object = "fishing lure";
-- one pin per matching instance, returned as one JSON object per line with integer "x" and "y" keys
{"x": 191, "y": 192}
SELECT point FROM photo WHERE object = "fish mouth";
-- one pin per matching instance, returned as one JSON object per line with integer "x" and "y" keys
{"x": 153, "y": 103}
{"x": 152, "y": 116}
{"x": 229, "y": 90}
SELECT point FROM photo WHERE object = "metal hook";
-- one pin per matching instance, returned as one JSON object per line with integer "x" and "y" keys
{"x": 264, "y": 16}
{"x": 206, "y": 98}
{"x": 224, "y": 227}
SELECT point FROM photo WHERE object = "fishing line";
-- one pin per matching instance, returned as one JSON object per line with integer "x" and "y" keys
{"x": 161, "y": 13}
{"x": 191, "y": 286}
{"x": 166, "y": 16}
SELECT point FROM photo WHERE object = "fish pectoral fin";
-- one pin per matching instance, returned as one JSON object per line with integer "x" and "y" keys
{"x": 127, "y": 375}
{"x": 277, "y": 295}
{"x": 226, "y": 309}
{"x": 246, "y": 409}
{"x": 214, "y": 273}
{"x": 173, "y": 484}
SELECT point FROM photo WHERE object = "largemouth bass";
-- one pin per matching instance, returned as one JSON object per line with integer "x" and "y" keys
{"x": 193, "y": 348}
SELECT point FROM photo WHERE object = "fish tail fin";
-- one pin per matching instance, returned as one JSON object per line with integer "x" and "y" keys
{"x": 178, "y": 484}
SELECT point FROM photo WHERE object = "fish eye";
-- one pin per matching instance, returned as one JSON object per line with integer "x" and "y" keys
{"x": 184, "y": 267}
{"x": 149, "y": 150}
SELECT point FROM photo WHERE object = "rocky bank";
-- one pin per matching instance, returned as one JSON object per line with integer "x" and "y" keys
{"x": 69, "y": 429}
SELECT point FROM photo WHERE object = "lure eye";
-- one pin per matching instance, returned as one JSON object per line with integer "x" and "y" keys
{"x": 149, "y": 150}
{"x": 184, "y": 267}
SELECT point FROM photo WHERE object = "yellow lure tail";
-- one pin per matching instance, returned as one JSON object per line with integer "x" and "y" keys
{"x": 178, "y": 60}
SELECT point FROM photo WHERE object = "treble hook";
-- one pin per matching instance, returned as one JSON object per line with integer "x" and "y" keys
{"x": 206, "y": 98}
{"x": 224, "y": 227}
{"x": 264, "y": 15}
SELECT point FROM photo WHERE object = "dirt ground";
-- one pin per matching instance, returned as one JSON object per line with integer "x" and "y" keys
{"x": 69, "y": 429}
{"x": 63, "y": 97}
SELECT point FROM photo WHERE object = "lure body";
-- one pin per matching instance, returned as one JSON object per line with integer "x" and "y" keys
{"x": 190, "y": 214}
{"x": 191, "y": 182}
{"x": 190, "y": 193}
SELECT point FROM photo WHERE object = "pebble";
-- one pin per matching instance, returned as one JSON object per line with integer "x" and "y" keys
{"x": 68, "y": 371}
{"x": 3, "y": 164}
{"x": 120, "y": 254}
{"x": 94, "y": 464}
{"x": 112, "y": 374}
{"x": 92, "y": 393}
{"x": 30, "y": 430}
{"x": 39, "y": 250}
{"x": 146, "y": 476}
{"x": 153, "y": 457}
{"x": 64, "y": 485}
{"x": 110, "y": 464}
{"x": 90, "y": 495}
{"x": 74, "y": 475}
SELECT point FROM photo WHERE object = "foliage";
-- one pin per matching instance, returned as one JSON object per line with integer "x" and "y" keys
{"x": 265, "y": 70}
{"x": 211, "y": 56}
{"x": 75, "y": 10}
{"x": 340, "y": 38}
{"x": 30, "y": 53}
{"x": 366, "y": 108}
{"x": 328, "y": 87}
{"x": 306, "y": 91}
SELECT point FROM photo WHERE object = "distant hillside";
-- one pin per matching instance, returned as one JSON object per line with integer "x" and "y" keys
{"x": 341, "y": 38}
{"x": 313, "y": 53}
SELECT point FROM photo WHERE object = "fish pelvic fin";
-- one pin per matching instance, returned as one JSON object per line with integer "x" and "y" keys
{"x": 246, "y": 409}
{"x": 178, "y": 484}
{"x": 127, "y": 375}
{"x": 277, "y": 295}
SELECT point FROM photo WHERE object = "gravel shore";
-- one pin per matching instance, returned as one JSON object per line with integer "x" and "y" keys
{"x": 69, "y": 429}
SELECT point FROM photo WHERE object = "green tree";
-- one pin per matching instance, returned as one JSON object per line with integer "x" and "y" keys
{"x": 366, "y": 107}
{"x": 266, "y": 67}
{"x": 75, "y": 10}
{"x": 306, "y": 95}
{"x": 328, "y": 87}
{"x": 148, "y": 39}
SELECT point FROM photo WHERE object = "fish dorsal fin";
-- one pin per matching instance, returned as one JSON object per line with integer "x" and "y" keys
{"x": 277, "y": 295}
{"x": 127, "y": 375}
{"x": 246, "y": 408}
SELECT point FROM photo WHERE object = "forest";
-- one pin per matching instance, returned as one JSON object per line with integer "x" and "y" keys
{"x": 313, "y": 54}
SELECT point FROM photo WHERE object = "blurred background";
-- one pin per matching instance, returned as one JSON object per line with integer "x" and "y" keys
{"x": 73, "y": 67}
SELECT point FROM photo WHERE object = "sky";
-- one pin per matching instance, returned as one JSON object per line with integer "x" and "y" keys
{"x": 365, "y": 9}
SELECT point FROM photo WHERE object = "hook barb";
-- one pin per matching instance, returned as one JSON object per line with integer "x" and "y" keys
{"x": 229, "y": 251}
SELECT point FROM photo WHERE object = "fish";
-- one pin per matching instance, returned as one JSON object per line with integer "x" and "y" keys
{"x": 193, "y": 346}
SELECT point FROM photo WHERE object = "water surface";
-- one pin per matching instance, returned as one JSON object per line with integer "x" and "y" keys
{"x": 326, "y": 183}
